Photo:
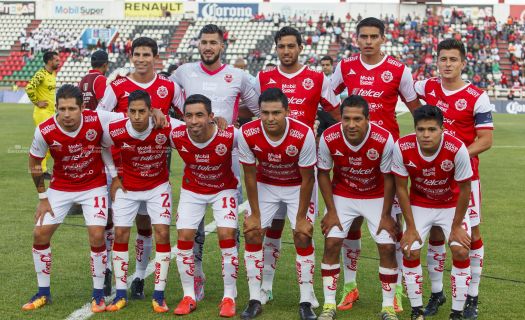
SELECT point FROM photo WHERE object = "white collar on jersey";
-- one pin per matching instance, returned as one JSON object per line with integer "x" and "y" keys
{"x": 290, "y": 75}
{"x": 71, "y": 134}
{"x": 202, "y": 145}
{"x": 278, "y": 142}
{"x": 372, "y": 66}
{"x": 358, "y": 147}
{"x": 143, "y": 85}
{"x": 450, "y": 92}
{"x": 139, "y": 135}
{"x": 432, "y": 157}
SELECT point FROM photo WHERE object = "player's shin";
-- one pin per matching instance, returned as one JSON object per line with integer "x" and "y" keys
{"x": 162, "y": 265}
{"x": 460, "y": 278}
{"x": 143, "y": 248}
{"x": 350, "y": 251}
{"x": 436, "y": 256}
{"x": 305, "y": 267}
{"x": 388, "y": 278}
{"x": 186, "y": 267}
{"x": 230, "y": 267}
{"x": 330, "y": 274}
{"x": 476, "y": 254}
{"x": 413, "y": 274}
{"x": 198, "y": 247}
{"x": 42, "y": 258}
{"x": 272, "y": 252}
{"x": 109, "y": 237}
{"x": 120, "y": 267}
{"x": 253, "y": 260}
{"x": 99, "y": 260}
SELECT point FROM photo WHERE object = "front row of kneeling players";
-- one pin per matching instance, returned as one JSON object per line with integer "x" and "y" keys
{"x": 363, "y": 156}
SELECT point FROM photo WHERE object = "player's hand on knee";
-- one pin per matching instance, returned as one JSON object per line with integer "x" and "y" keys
{"x": 410, "y": 236}
{"x": 329, "y": 221}
{"x": 388, "y": 224}
{"x": 460, "y": 235}
{"x": 43, "y": 207}
{"x": 220, "y": 122}
{"x": 252, "y": 223}
{"x": 304, "y": 226}
{"x": 116, "y": 184}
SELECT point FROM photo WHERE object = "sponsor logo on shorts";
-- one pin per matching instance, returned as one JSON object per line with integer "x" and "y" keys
{"x": 100, "y": 215}
{"x": 230, "y": 216}
{"x": 165, "y": 214}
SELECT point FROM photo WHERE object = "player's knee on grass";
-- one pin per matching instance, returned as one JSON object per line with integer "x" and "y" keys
{"x": 459, "y": 253}
{"x": 96, "y": 236}
{"x": 356, "y": 224}
{"x": 387, "y": 255}
{"x": 122, "y": 234}
{"x": 277, "y": 224}
{"x": 162, "y": 233}
{"x": 332, "y": 249}
{"x": 436, "y": 234}
{"x": 226, "y": 233}
{"x": 475, "y": 233}
{"x": 143, "y": 222}
{"x": 43, "y": 234}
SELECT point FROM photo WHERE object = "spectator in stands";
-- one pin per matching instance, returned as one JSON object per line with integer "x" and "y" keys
{"x": 324, "y": 118}
{"x": 510, "y": 96}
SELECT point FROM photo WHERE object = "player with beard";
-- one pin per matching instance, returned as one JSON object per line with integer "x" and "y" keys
{"x": 225, "y": 86}
{"x": 163, "y": 93}
{"x": 305, "y": 89}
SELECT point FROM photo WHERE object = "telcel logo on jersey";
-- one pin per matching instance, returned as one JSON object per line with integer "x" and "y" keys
{"x": 273, "y": 157}
{"x": 361, "y": 171}
{"x": 366, "y": 80}
{"x": 295, "y": 100}
{"x": 367, "y": 93}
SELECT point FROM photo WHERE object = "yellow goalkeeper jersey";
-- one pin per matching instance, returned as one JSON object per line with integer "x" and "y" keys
{"x": 42, "y": 87}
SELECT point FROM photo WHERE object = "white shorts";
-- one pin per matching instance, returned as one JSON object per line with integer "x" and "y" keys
{"x": 313, "y": 207}
{"x": 142, "y": 208}
{"x": 348, "y": 209}
{"x": 271, "y": 198}
{"x": 94, "y": 204}
{"x": 426, "y": 218}
{"x": 474, "y": 206}
{"x": 157, "y": 202}
{"x": 192, "y": 207}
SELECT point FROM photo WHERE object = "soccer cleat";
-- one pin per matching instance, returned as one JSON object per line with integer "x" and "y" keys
{"x": 266, "y": 296}
{"x": 436, "y": 300}
{"x": 98, "y": 306}
{"x": 117, "y": 304}
{"x": 37, "y": 301}
{"x": 398, "y": 299}
{"x": 198, "y": 285}
{"x": 328, "y": 312}
{"x": 388, "y": 313}
{"x": 417, "y": 314}
{"x": 137, "y": 289}
{"x": 253, "y": 309}
{"x": 455, "y": 315}
{"x": 227, "y": 308}
{"x": 306, "y": 312}
{"x": 350, "y": 295}
{"x": 159, "y": 307}
{"x": 107, "y": 282}
{"x": 186, "y": 306}
{"x": 470, "y": 311}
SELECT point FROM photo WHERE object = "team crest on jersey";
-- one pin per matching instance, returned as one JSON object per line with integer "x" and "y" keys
{"x": 372, "y": 154}
{"x": 308, "y": 83}
{"x": 461, "y": 104}
{"x": 91, "y": 134}
{"x": 228, "y": 77}
{"x": 221, "y": 149}
{"x": 292, "y": 150}
{"x": 161, "y": 139}
{"x": 387, "y": 76}
{"x": 162, "y": 92}
{"x": 447, "y": 165}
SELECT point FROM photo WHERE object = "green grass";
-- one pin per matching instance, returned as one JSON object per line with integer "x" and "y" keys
{"x": 502, "y": 285}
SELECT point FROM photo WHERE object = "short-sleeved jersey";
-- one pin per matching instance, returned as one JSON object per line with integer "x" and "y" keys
{"x": 433, "y": 180}
{"x": 143, "y": 154}
{"x": 93, "y": 86}
{"x": 78, "y": 164}
{"x": 163, "y": 93}
{"x": 380, "y": 85}
{"x": 278, "y": 161}
{"x": 464, "y": 111}
{"x": 208, "y": 166}
{"x": 306, "y": 90}
{"x": 225, "y": 87}
{"x": 358, "y": 170}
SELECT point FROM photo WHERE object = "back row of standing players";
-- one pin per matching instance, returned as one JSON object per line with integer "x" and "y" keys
{"x": 379, "y": 79}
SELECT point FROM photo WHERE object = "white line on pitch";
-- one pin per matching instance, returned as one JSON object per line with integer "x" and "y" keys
{"x": 85, "y": 311}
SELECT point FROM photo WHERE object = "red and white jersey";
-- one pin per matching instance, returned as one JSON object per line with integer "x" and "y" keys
{"x": 143, "y": 154}
{"x": 225, "y": 87}
{"x": 163, "y": 93}
{"x": 208, "y": 165}
{"x": 78, "y": 164}
{"x": 305, "y": 89}
{"x": 358, "y": 170}
{"x": 278, "y": 161}
{"x": 379, "y": 84}
{"x": 465, "y": 111}
{"x": 433, "y": 180}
